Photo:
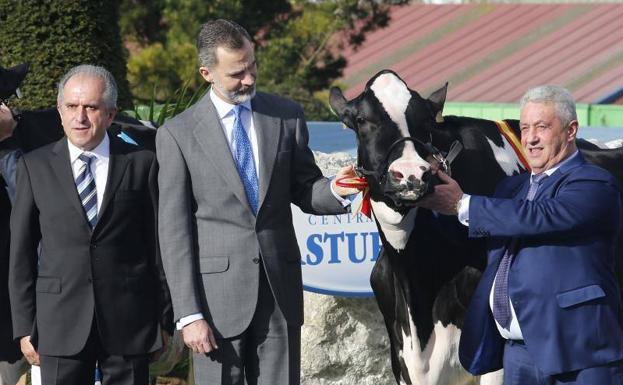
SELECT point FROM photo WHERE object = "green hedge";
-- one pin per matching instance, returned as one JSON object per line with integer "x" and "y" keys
{"x": 55, "y": 35}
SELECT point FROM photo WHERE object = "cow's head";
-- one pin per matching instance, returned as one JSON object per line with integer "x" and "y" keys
{"x": 393, "y": 126}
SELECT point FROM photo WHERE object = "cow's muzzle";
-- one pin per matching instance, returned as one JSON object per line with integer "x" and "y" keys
{"x": 406, "y": 190}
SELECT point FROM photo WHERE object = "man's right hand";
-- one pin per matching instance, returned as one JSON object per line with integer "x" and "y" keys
{"x": 7, "y": 123}
{"x": 198, "y": 336}
{"x": 29, "y": 351}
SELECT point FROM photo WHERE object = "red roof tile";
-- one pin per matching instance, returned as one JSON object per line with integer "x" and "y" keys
{"x": 493, "y": 53}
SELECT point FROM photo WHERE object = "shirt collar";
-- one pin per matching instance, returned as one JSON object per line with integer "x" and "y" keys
{"x": 222, "y": 107}
{"x": 100, "y": 151}
{"x": 552, "y": 170}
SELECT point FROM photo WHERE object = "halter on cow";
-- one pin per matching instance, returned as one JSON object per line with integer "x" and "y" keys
{"x": 428, "y": 268}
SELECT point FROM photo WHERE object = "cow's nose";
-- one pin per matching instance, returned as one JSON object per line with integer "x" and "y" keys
{"x": 407, "y": 171}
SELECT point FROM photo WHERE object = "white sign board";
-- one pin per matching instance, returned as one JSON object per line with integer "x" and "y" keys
{"x": 337, "y": 252}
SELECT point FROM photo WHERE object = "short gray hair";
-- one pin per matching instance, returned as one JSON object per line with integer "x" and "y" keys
{"x": 110, "y": 86}
{"x": 219, "y": 33}
{"x": 559, "y": 97}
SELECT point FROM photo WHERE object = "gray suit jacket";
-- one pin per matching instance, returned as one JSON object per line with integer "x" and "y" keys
{"x": 210, "y": 240}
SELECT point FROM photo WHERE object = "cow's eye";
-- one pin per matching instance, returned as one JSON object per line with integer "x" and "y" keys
{"x": 360, "y": 120}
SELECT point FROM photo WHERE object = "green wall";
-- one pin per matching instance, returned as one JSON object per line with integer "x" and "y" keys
{"x": 599, "y": 115}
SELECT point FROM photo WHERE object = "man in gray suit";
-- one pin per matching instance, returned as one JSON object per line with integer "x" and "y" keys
{"x": 229, "y": 168}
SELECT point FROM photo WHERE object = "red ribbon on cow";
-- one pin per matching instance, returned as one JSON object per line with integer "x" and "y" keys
{"x": 362, "y": 185}
{"x": 514, "y": 140}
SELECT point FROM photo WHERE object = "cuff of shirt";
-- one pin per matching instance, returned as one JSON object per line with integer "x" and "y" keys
{"x": 344, "y": 201}
{"x": 179, "y": 325}
{"x": 463, "y": 214}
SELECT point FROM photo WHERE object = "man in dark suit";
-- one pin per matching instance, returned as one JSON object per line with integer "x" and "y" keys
{"x": 12, "y": 366}
{"x": 230, "y": 166}
{"x": 97, "y": 292}
{"x": 547, "y": 308}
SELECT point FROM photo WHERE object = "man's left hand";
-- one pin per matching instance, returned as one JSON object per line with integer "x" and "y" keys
{"x": 345, "y": 172}
{"x": 445, "y": 198}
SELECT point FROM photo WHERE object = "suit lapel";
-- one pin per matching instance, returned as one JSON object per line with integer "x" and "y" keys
{"x": 117, "y": 164}
{"x": 62, "y": 168}
{"x": 268, "y": 130}
{"x": 210, "y": 136}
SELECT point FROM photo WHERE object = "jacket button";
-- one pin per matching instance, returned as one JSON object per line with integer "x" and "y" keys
{"x": 94, "y": 245}
{"x": 90, "y": 280}
{"x": 256, "y": 260}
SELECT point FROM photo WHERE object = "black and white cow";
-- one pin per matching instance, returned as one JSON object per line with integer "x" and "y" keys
{"x": 428, "y": 268}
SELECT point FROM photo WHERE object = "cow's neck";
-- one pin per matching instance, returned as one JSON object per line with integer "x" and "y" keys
{"x": 396, "y": 227}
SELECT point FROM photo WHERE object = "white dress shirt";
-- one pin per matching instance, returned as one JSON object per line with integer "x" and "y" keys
{"x": 99, "y": 165}
{"x": 514, "y": 331}
{"x": 225, "y": 113}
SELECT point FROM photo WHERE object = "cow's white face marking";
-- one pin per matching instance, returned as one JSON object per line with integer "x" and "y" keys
{"x": 394, "y": 96}
{"x": 438, "y": 363}
{"x": 506, "y": 157}
{"x": 396, "y": 227}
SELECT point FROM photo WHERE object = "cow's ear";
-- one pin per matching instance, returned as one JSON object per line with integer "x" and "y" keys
{"x": 437, "y": 100}
{"x": 339, "y": 105}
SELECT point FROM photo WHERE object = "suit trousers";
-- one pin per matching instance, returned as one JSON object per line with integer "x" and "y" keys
{"x": 80, "y": 368}
{"x": 520, "y": 369}
{"x": 267, "y": 352}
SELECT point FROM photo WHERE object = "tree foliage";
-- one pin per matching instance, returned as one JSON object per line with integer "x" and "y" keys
{"x": 298, "y": 43}
{"x": 54, "y": 36}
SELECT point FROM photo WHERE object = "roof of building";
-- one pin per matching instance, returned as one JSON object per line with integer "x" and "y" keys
{"x": 495, "y": 52}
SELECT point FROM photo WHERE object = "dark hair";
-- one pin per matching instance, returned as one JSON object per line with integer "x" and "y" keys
{"x": 219, "y": 33}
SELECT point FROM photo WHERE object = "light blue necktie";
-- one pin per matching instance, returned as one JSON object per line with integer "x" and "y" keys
{"x": 501, "y": 305}
{"x": 243, "y": 155}
{"x": 85, "y": 183}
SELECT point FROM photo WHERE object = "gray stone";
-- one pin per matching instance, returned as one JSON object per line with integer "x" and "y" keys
{"x": 344, "y": 342}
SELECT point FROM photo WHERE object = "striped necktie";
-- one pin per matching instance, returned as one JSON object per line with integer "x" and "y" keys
{"x": 85, "y": 183}
{"x": 243, "y": 155}
{"x": 501, "y": 303}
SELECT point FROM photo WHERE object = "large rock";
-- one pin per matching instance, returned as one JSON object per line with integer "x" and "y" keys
{"x": 344, "y": 340}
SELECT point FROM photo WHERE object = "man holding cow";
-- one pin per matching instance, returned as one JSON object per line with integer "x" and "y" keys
{"x": 547, "y": 308}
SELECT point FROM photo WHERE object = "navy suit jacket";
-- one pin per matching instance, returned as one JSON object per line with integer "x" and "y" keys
{"x": 562, "y": 282}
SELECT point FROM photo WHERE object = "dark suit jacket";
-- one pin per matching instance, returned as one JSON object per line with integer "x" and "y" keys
{"x": 9, "y": 349}
{"x": 562, "y": 281}
{"x": 112, "y": 273}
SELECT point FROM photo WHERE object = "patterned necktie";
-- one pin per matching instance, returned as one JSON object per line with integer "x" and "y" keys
{"x": 85, "y": 183}
{"x": 501, "y": 303}
{"x": 243, "y": 155}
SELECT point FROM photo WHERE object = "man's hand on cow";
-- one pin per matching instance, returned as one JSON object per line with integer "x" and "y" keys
{"x": 345, "y": 172}
{"x": 7, "y": 123}
{"x": 199, "y": 337}
{"x": 29, "y": 351}
{"x": 446, "y": 196}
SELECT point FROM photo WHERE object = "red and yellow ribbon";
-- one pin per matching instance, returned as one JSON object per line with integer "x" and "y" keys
{"x": 362, "y": 185}
{"x": 514, "y": 141}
